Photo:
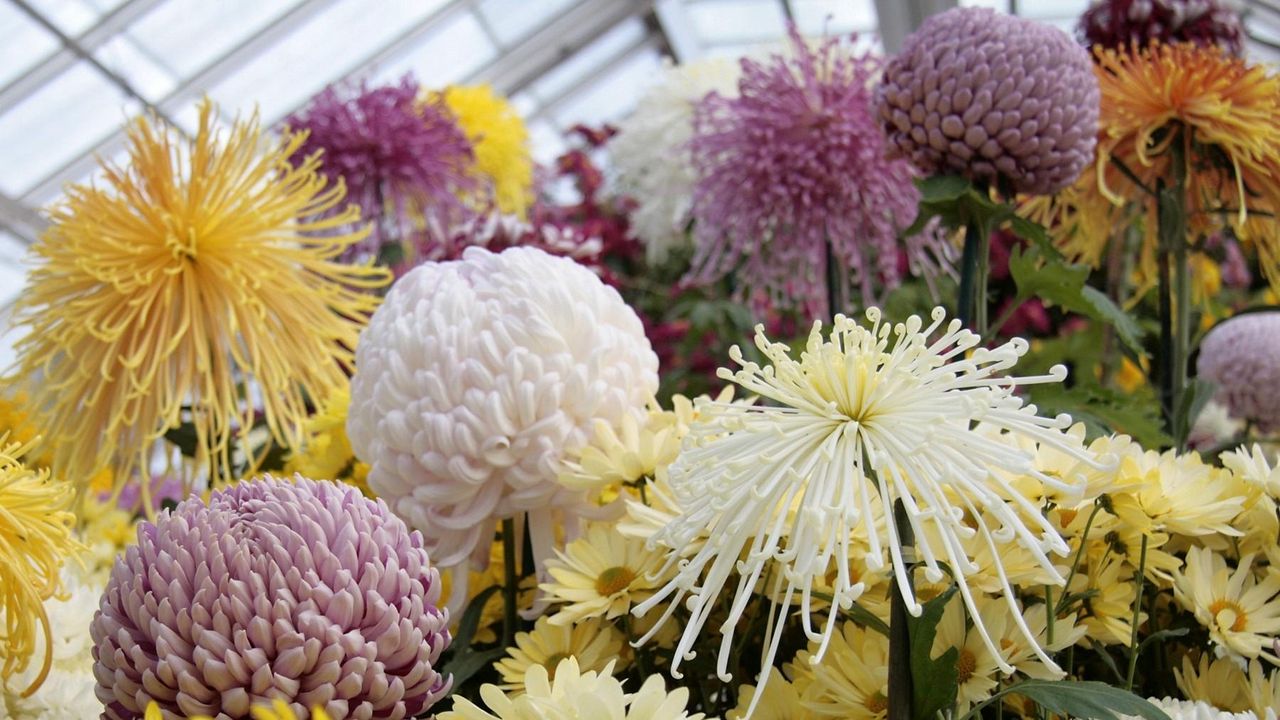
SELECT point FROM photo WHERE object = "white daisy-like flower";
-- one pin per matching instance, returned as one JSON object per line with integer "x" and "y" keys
{"x": 651, "y": 154}
{"x": 472, "y": 380}
{"x": 865, "y": 417}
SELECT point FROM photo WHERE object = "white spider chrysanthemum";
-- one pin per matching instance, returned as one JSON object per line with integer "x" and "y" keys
{"x": 859, "y": 421}
{"x": 651, "y": 156}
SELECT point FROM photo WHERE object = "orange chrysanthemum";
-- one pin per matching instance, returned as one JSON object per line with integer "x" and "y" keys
{"x": 199, "y": 282}
{"x": 1226, "y": 115}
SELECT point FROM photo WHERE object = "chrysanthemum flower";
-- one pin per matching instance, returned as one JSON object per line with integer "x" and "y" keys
{"x": 1107, "y": 582}
{"x": 857, "y": 422}
{"x": 792, "y": 176}
{"x": 277, "y": 710}
{"x": 852, "y": 682}
{"x": 1217, "y": 681}
{"x": 496, "y": 232}
{"x": 402, "y": 160}
{"x": 475, "y": 377}
{"x": 993, "y": 97}
{"x": 326, "y": 452}
{"x": 1188, "y": 710}
{"x": 1224, "y": 113}
{"x": 780, "y": 700}
{"x": 595, "y": 644}
{"x": 602, "y": 574}
{"x": 976, "y": 665}
{"x": 35, "y": 541}
{"x": 1263, "y": 688}
{"x": 203, "y": 267}
{"x": 1180, "y": 493}
{"x": 67, "y": 692}
{"x": 300, "y": 591}
{"x": 651, "y": 156}
{"x": 574, "y": 694}
{"x": 499, "y": 141}
{"x": 1241, "y": 357}
{"x": 1121, "y": 23}
{"x": 1240, "y": 609}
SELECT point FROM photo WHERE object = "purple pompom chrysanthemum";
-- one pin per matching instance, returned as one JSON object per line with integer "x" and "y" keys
{"x": 1117, "y": 23}
{"x": 1241, "y": 356}
{"x": 994, "y": 98}
{"x": 301, "y": 591}
{"x": 792, "y": 174}
{"x": 400, "y": 157}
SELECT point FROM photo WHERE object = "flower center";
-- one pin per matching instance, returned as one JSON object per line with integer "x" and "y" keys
{"x": 877, "y": 703}
{"x": 552, "y": 662}
{"x": 965, "y": 665}
{"x": 1229, "y": 615}
{"x": 614, "y": 580}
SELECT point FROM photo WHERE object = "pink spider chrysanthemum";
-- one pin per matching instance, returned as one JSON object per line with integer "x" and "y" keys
{"x": 403, "y": 160}
{"x": 792, "y": 175}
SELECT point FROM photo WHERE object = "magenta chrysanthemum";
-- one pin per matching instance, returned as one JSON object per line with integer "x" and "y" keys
{"x": 792, "y": 173}
{"x": 301, "y": 591}
{"x": 994, "y": 98}
{"x": 401, "y": 158}
{"x": 1117, "y": 23}
{"x": 1241, "y": 356}
{"x": 496, "y": 232}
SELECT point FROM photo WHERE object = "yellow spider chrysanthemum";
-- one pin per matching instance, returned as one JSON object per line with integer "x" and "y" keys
{"x": 201, "y": 267}
{"x": 1240, "y": 610}
{"x": 276, "y": 711}
{"x": 326, "y": 452}
{"x": 35, "y": 541}
{"x": 595, "y": 643}
{"x": 1229, "y": 114}
{"x": 500, "y": 140}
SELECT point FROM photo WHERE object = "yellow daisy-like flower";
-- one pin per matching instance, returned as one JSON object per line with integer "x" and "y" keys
{"x": 1107, "y": 611}
{"x": 576, "y": 695}
{"x": 1241, "y": 612}
{"x": 202, "y": 266}
{"x": 623, "y": 455}
{"x": 278, "y": 710}
{"x": 602, "y": 575}
{"x": 1229, "y": 114}
{"x": 595, "y": 644}
{"x": 1219, "y": 682}
{"x": 106, "y": 531}
{"x": 500, "y": 140}
{"x": 852, "y": 681}
{"x": 975, "y": 665}
{"x": 35, "y": 541}
{"x": 326, "y": 452}
{"x": 780, "y": 701}
{"x": 1263, "y": 689}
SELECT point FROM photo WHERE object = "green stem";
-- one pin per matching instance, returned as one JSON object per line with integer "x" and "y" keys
{"x": 1049, "y": 616}
{"x": 1174, "y": 288}
{"x": 1075, "y": 564}
{"x": 510, "y": 583}
{"x": 1139, "y": 581}
{"x": 974, "y": 273}
{"x": 900, "y": 680}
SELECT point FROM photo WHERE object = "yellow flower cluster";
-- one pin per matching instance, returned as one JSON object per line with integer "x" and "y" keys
{"x": 326, "y": 452}
{"x": 500, "y": 142}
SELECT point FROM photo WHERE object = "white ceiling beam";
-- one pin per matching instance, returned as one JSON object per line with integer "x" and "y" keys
{"x": 898, "y": 18}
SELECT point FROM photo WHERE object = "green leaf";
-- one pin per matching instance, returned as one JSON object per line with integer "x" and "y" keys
{"x": 1087, "y": 700}
{"x": 1034, "y": 233}
{"x": 469, "y": 662}
{"x": 1053, "y": 281}
{"x": 184, "y": 437}
{"x": 1127, "y": 329}
{"x": 1103, "y": 411}
{"x": 942, "y": 188}
{"x": 1161, "y": 635}
{"x": 471, "y": 617}
{"x": 934, "y": 681}
{"x": 1196, "y": 395}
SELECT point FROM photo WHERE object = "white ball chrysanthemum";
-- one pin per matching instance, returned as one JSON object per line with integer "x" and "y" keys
{"x": 651, "y": 155}
{"x": 475, "y": 376}
{"x": 866, "y": 416}
{"x": 1188, "y": 710}
{"x": 68, "y": 691}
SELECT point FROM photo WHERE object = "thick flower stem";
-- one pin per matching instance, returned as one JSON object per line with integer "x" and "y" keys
{"x": 1174, "y": 289}
{"x": 510, "y": 583}
{"x": 900, "y": 680}
{"x": 974, "y": 271}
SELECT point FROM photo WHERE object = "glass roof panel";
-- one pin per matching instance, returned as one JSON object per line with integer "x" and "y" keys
{"x": 611, "y": 95}
{"x": 56, "y": 124}
{"x": 321, "y": 49}
{"x": 74, "y": 16}
{"x": 568, "y": 73}
{"x": 140, "y": 69}
{"x": 737, "y": 21}
{"x": 186, "y": 35}
{"x": 513, "y": 19}
{"x": 25, "y": 42}
{"x": 834, "y": 17}
{"x": 449, "y": 53}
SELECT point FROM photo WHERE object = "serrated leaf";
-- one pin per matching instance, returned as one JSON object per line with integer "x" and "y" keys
{"x": 1034, "y": 233}
{"x": 1086, "y": 700}
{"x": 934, "y": 681}
{"x": 1103, "y": 411}
{"x": 1053, "y": 281}
{"x": 1127, "y": 329}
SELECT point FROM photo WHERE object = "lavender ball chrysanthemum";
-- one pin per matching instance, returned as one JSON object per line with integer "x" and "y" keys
{"x": 401, "y": 158}
{"x": 994, "y": 98}
{"x": 1242, "y": 357}
{"x": 1117, "y": 23}
{"x": 301, "y": 591}
{"x": 792, "y": 173}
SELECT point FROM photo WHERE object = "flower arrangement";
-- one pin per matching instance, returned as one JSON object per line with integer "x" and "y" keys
{"x": 938, "y": 385}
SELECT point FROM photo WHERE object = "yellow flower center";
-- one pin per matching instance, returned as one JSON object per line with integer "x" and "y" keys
{"x": 614, "y": 580}
{"x": 1229, "y": 615}
{"x": 552, "y": 662}
{"x": 877, "y": 703}
{"x": 965, "y": 665}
